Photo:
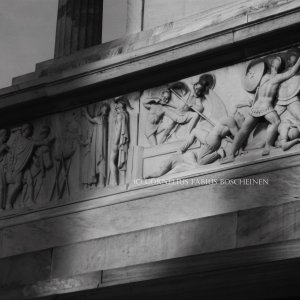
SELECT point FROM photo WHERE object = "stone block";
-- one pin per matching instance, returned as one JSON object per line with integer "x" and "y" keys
{"x": 25, "y": 269}
{"x": 158, "y": 13}
{"x": 152, "y": 207}
{"x": 166, "y": 242}
{"x": 269, "y": 224}
{"x": 204, "y": 263}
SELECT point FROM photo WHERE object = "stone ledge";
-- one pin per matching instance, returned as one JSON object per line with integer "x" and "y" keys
{"x": 249, "y": 11}
{"x": 150, "y": 212}
{"x": 279, "y": 257}
{"x": 171, "y": 51}
{"x": 245, "y": 166}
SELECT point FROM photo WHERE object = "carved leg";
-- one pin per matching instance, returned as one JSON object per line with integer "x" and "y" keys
{"x": 113, "y": 180}
{"x": 2, "y": 191}
{"x": 152, "y": 140}
{"x": 240, "y": 138}
{"x": 272, "y": 131}
{"x": 122, "y": 177}
{"x": 193, "y": 120}
{"x": 167, "y": 132}
{"x": 164, "y": 168}
{"x": 209, "y": 158}
{"x": 294, "y": 109}
{"x": 196, "y": 134}
{"x": 286, "y": 145}
{"x": 29, "y": 182}
{"x": 188, "y": 142}
{"x": 2, "y": 199}
{"x": 13, "y": 194}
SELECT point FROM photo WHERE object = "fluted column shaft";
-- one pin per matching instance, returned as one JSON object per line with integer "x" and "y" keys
{"x": 79, "y": 25}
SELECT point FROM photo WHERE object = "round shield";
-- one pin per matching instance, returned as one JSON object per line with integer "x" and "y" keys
{"x": 289, "y": 89}
{"x": 254, "y": 72}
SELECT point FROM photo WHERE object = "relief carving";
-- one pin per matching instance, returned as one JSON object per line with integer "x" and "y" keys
{"x": 264, "y": 106}
{"x": 188, "y": 112}
{"x": 25, "y": 165}
{"x": 4, "y": 149}
{"x": 94, "y": 147}
{"x": 271, "y": 118}
{"x": 64, "y": 149}
{"x": 157, "y": 108}
{"x": 59, "y": 158}
{"x": 41, "y": 164}
{"x": 210, "y": 146}
{"x": 120, "y": 142}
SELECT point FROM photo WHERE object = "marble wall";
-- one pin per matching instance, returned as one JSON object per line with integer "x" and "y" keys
{"x": 238, "y": 114}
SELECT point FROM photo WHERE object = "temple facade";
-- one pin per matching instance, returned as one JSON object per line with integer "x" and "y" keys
{"x": 162, "y": 165}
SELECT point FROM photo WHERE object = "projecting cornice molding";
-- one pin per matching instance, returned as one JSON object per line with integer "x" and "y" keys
{"x": 221, "y": 37}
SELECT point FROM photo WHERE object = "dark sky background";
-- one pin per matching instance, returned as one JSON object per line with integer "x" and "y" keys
{"x": 27, "y": 33}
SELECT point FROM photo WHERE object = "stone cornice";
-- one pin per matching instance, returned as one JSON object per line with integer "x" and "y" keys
{"x": 146, "y": 53}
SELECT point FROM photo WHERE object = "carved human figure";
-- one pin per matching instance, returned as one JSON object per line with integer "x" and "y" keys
{"x": 64, "y": 149}
{"x": 185, "y": 114}
{"x": 289, "y": 135}
{"x": 263, "y": 107}
{"x": 18, "y": 165}
{"x": 4, "y": 149}
{"x": 120, "y": 142}
{"x": 290, "y": 89}
{"x": 94, "y": 158}
{"x": 210, "y": 150}
{"x": 227, "y": 127}
{"x": 157, "y": 109}
{"x": 42, "y": 159}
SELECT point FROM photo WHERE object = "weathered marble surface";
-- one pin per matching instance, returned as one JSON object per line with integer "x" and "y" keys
{"x": 114, "y": 228}
{"x": 217, "y": 261}
{"x": 247, "y": 10}
{"x": 76, "y": 154}
{"x": 79, "y": 26}
{"x": 269, "y": 225}
{"x": 167, "y": 208}
{"x": 170, "y": 241}
{"x": 25, "y": 269}
{"x": 157, "y": 13}
{"x": 134, "y": 22}
{"x": 79, "y": 273}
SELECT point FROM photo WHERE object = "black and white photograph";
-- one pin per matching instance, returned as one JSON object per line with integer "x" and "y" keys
{"x": 149, "y": 149}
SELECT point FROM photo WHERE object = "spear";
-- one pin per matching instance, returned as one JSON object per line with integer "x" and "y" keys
{"x": 195, "y": 110}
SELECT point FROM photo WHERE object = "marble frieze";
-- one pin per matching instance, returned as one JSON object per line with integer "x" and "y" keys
{"x": 238, "y": 114}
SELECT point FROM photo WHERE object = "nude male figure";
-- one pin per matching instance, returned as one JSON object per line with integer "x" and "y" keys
{"x": 209, "y": 151}
{"x": 292, "y": 105}
{"x": 157, "y": 110}
{"x": 263, "y": 107}
{"x": 185, "y": 114}
{"x": 289, "y": 135}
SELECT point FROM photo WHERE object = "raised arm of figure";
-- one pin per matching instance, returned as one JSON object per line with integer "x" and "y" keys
{"x": 150, "y": 101}
{"x": 288, "y": 74}
{"x": 88, "y": 117}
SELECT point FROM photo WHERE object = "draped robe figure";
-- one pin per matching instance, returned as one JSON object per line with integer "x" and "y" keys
{"x": 120, "y": 143}
{"x": 94, "y": 156}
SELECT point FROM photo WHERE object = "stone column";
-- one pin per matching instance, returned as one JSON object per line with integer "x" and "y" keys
{"x": 79, "y": 25}
{"x": 135, "y": 12}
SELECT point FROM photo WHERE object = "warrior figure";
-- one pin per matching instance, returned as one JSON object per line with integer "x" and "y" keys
{"x": 289, "y": 135}
{"x": 288, "y": 94}
{"x": 4, "y": 149}
{"x": 210, "y": 150}
{"x": 264, "y": 107}
{"x": 157, "y": 108}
